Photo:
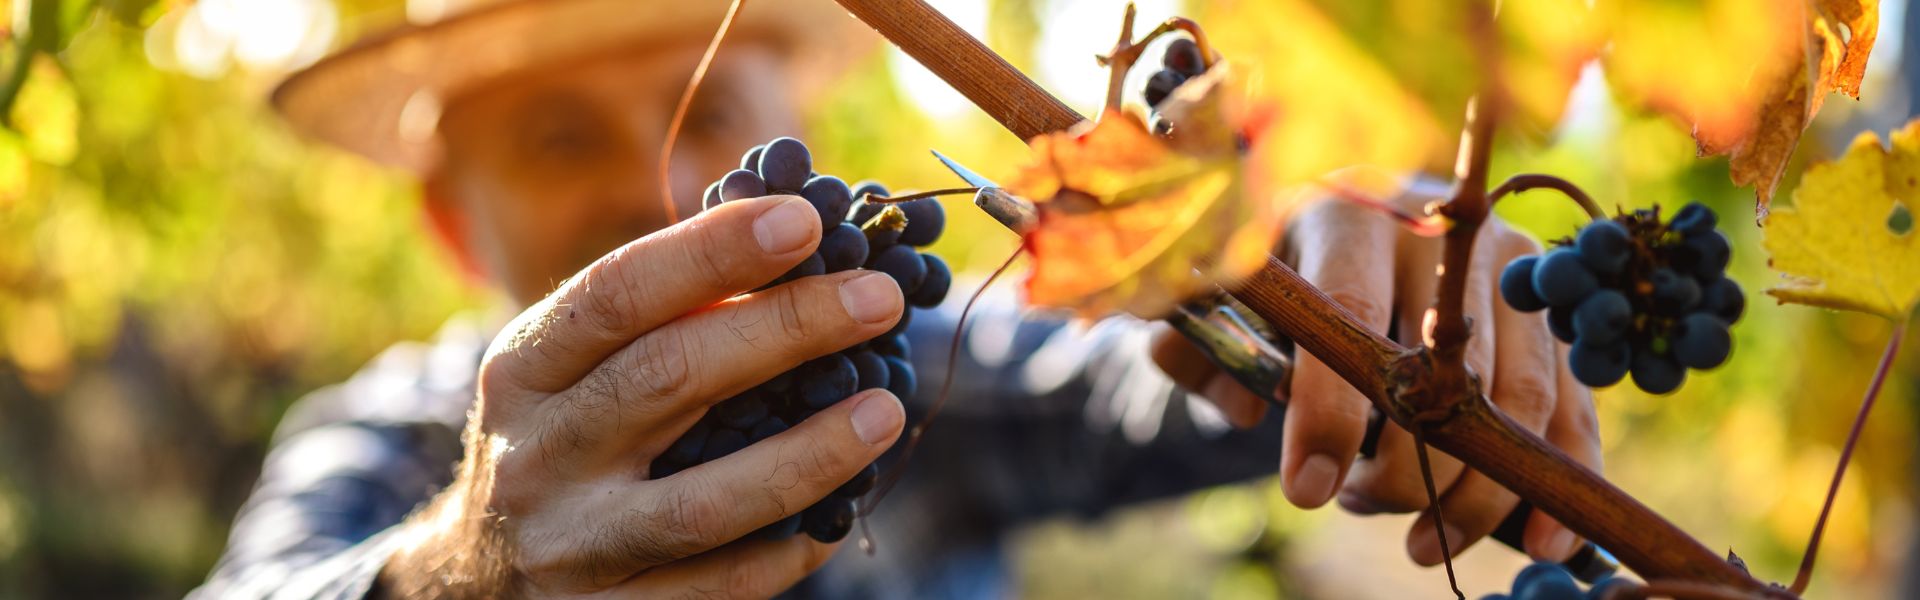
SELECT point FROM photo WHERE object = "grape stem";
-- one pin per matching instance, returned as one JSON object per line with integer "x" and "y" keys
{"x": 1805, "y": 575}
{"x": 1680, "y": 590}
{"x": 686, "y": 102}
{"x": 879, "y": 199}
{"x": 1126, "y": 52}
{"x": 1398, "y": 380}
{"x": 1433, "y": 501}
{"x": 1530, "y": 181}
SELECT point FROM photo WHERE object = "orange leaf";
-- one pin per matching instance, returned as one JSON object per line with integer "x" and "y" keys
{"x": 1137, "y": 223}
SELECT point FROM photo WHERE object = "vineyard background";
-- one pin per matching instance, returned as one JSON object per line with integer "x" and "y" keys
{"x": 176, "y": 268}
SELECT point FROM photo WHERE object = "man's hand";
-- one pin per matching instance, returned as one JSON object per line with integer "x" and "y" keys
{"x": 1385, "y": 275}
{"x": 580, "y": 393}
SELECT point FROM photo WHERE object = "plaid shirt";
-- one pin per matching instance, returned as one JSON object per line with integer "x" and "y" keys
{"x": 1045, "y": 419}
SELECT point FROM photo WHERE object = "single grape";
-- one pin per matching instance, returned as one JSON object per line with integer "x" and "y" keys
{"x": 1602, "y": 588}
{"x": 1657, "y": 373}
{"x": 842, "y": 248}
{"x": 1694, "y": 218}
{"x": 871, "y": 368}
{"x": 1673, "y": 294}
{"x": 751, "y": 160}
{"x": 1560, "y": 322}
{"x": 830, "y": 197}
{"x": 1563, "y": 279}
{"x": 1599, "y": 364}
{"x": 1603, "y": 318}
{"x": 1161, "y": 85}
{"x": 740, "y": 412}
{"x": 1516, "y": 285}
{"x": 900, "y": 378}
{"x": 1606, "y": 246}
{"x": 769, "y": 427}
{"x": 711, "y": 197}
{"x": 741, "y": 184}
{"x": 722, "y": 442}
{"x": 1701, "y": 341}
{"x": 903, "y": 265}
{"x": 810, "y": 266}
{"x": 828, "y": 520}
{"x": 826, "y": 380}
{"x": 900, "y": 326}
{"x": 786, "y": 164}
{"x": 895, "y": 346}
{"x": 1545, "y": 581}
{"x": 781, "y": 529}
{"x": 1723, "y": 297}
{"x": 865, "y": 188}
{"x": 926, "y": 219}
{"x": 1183, "y": 56}
{"x": 861, "y": 483}
{"x": 933, "y": 289}
{"x": 1707, "y": 254}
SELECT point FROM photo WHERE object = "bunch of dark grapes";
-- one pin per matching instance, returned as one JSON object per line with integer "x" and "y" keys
{"x": 1548, "y": 581}
{"x": 1633, "y": 294}
{"x": 1180, "y": 63}
{"x": 855, "y": 235}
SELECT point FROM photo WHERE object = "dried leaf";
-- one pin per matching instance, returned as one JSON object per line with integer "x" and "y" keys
{"x": 1841, "y": 245}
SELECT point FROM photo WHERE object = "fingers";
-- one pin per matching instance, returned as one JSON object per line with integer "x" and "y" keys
{"x": 1574, "y": 429}
{"x": 1338, "y": 246}
{"x": 717, "y": 502}
{"x": 647, "y": 283}
{"x": 689, "y": 364}
{"x": 1520, "y": 382}
{"x": 746, "y": 569}
{"x": 1184, "y": 363}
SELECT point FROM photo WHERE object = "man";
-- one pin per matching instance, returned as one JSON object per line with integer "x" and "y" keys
{"x": 535, "y": 126}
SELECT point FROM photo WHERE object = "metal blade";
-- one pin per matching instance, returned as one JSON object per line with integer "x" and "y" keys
{"x": 967, "y": 175}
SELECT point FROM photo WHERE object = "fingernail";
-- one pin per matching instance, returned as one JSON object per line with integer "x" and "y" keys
{"x": 1562, "y": 545}
{"x": 877, "y": 417}
{"x": 1313, "y": 483}
{"x": 870, "y": 297}
{"x": 785, "y": 227}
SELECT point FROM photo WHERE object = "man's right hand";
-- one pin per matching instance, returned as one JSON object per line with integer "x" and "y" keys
{"x": 581, "y": 392}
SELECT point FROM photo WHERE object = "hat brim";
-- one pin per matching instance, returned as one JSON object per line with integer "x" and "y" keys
{"x": 381, "y": 98}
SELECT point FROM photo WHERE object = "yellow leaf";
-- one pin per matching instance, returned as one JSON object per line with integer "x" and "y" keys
{"x": 1837, "y": 246}
{"x": 1749, "y": 75}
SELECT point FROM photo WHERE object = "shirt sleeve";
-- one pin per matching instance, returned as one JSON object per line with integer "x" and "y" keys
{"x": 348, "y": 464}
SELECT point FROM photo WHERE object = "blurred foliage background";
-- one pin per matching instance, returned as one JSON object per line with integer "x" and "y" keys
{"x": 176, "y": 268}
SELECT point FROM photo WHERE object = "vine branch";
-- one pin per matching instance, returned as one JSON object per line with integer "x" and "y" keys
{"x": 1531, "y": 181}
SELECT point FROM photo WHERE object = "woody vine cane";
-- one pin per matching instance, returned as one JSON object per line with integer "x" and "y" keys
{"x": 1426, "y": 390}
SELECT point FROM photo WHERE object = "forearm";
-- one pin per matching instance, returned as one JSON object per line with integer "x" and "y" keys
{"x": 453, "y": 547}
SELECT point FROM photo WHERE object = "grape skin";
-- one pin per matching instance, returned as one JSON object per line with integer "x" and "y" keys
{"x": 1562, "y": 279}
{"x": 786, "y": 164}
{"x": 1516, "y": 285}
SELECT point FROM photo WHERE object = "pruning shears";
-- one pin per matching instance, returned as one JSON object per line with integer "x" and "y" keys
{"x": 1254, "y": 354}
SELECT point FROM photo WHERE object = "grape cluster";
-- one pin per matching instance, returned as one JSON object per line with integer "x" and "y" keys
{"x": 855, "y": 234}
{"x": 1633, "y": 294}
{"x": 1180, "y": 63}
{"x": 1548, "y": 581}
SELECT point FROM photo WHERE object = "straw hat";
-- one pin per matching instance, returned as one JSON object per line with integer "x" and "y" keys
{"x": 381, "y": 97}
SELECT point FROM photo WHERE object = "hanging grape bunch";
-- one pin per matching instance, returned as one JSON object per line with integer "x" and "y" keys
{"x": 854, "y": 235}
{"x": 1634, "y": 295}
{"x": 1180, "y": 62}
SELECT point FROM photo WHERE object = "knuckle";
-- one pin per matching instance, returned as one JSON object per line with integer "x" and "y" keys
{"x": 790, "y": 314}
{"x": 708, "y": 256}
{"x": 1527, "y": 397}
{"x": 606, "y": 298}
{"x": 662, "y": 364}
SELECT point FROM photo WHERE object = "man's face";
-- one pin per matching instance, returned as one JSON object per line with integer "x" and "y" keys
{"x": 548, "y": 171}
